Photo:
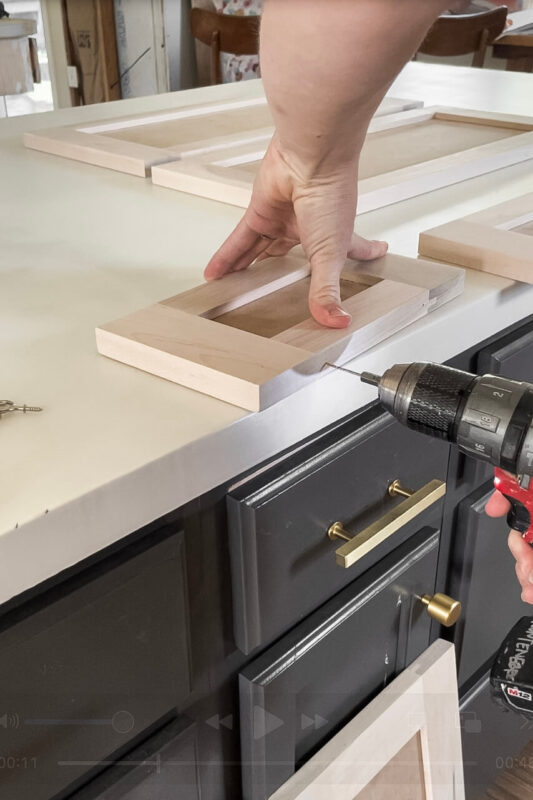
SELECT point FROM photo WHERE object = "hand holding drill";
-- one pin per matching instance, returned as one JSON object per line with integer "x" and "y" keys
{"x": 489, "y": 418}
{"x": 499, "y": 506}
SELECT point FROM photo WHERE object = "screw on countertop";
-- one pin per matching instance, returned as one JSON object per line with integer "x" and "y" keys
{"x": 6, "y": 406}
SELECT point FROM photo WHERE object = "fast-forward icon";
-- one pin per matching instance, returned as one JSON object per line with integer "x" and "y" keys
{"x": 315, "y": 722}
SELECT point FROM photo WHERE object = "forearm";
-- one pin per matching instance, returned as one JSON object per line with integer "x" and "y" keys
{"x": 326, "y": 65}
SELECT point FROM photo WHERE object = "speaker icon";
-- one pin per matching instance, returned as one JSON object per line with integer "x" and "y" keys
{"x": 10, "y": 721}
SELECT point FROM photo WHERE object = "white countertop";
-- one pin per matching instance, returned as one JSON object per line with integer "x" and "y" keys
{"x": 116, "y": 448}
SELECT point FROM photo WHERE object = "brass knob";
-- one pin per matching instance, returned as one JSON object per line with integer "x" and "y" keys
{"x": 444, "y": 609}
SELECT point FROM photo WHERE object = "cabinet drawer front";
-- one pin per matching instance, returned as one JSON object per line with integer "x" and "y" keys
{"x": 300, "y": 691}
{"x": 512, "y": 358}
{"x": 163, "y": 767}
{"x": 283, "y": 564}
{"x": 483, "y": 579}
{"x": 105, "y": 658}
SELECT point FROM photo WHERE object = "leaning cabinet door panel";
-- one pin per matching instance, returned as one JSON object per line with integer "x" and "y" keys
{"x": 483, "y": 579}
{"x": 298, "y": 693}
{"x": 404, "y": 746}
{"x": 283, "y": 563}
{"x": 96, "y": 663}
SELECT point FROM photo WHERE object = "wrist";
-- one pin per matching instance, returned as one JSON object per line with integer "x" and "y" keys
{"x": 311, "y": 162}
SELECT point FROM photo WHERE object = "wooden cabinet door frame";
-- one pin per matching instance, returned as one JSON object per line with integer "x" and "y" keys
{"x": 194, "y": 338}
{"x": 420, "y": 703}
{"x": 404, "y": 155}
{"x": 498, "y": 240}
{"x": 135, "y": 143}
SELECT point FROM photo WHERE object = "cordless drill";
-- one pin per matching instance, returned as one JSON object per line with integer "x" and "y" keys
{"x": 489, "y": 418}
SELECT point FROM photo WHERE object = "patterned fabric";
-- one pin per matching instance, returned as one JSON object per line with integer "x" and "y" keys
{"x": 239, "y": 68}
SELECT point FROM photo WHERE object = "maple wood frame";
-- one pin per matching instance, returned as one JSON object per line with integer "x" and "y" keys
{"x": 487, "y": 241}
{"x": 197, "y": 175}
{"x": 88, "y": 142}
{"x": 180, "y": 340}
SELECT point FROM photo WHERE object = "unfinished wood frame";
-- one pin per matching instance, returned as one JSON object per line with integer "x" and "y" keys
{"x": 134, "y": 144}
{"x": 498, "y": 240}
{"x": 405, "y": 745}
{"x": 404, "y": 155}
{"x": 249, "y": 340}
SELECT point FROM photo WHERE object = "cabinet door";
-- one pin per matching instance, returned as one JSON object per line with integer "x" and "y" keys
{"x": 162, "y": 768}
{"x": 512, "y": 358}
{"x": 90, "y": 666}
{"x": 283, "y": 564}
{"x": 297, "y": 694}
{"x": 497, "y": 748}
{"x": 482, "y": 577}
{"x": 405, "y": 745}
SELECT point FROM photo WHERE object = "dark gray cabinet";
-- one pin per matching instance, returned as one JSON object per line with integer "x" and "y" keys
{"x": 100, "y": 660}
{"x": 131, "y": 679}
{"x": 283, "y": 564}
{"x": 165, "y": 767}
{"x": 513, "y": 358}
{"x": 308, "y": 685}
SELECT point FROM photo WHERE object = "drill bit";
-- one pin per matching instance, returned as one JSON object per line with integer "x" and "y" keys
{"x": 366, "y": 377}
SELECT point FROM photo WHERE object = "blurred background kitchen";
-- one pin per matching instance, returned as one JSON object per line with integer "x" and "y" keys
{"x": 91, "y": 51}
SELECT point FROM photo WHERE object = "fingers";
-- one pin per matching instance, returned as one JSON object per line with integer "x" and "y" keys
{"x": 497, "y": 506}
{"x": 278, "y": 247}
{"x": 523, "y": 553}
{"x": 366, "y": 249}
{"x": 239, "y": 250}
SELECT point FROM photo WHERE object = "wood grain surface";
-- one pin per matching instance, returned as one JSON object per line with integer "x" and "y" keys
{"x": 249, "y": 338}
{"x": 496, "y": 240}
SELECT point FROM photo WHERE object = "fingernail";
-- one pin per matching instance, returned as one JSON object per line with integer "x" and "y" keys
{"x": 530, "y": 577}
{"x": 336, "y": 311}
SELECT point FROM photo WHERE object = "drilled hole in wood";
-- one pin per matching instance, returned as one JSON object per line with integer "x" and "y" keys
{"x": 278, "y": 311}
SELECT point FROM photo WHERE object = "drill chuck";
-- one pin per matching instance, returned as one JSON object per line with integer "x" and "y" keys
{"x": 488, "y": 417}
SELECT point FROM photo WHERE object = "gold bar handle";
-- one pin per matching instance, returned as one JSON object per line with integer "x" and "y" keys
{"x": 358, "y": 545}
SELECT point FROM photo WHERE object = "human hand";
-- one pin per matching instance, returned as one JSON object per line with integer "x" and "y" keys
{"x": 288, "y": 206}
{"x": 498, "y": 506}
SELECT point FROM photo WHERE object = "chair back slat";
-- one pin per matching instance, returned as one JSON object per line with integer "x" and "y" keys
{"x": 460, "y": 34}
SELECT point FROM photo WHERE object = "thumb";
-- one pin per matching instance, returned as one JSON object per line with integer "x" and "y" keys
{"x": 497, "y": 505}
{"x": 324, "y": 293}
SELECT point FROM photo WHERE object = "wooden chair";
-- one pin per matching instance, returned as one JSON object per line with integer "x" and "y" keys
{"x": 457, "y": 35}
{"x": 225, "y": 33}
